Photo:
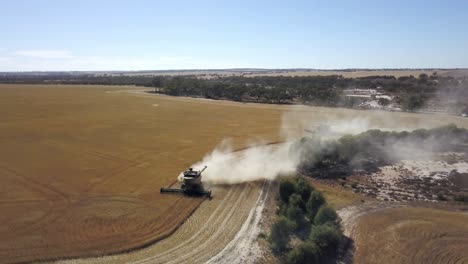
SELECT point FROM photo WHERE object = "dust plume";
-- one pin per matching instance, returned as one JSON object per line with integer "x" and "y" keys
{"x": 226, "y": 166}
{"x": 260, "y": 161}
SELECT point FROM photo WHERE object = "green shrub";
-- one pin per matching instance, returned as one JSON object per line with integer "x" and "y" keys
{"x": 326, "y": 214}
{"x": 294, "y": 214}
{"x": 280, "y": 234}
{"x": 327, "y": 237}
{"x": 286, "y": 189}
{"x": 316, "y": 244}
{"x": 304, "y": 189}
{"x": 261, "y": 235}
{"x": 441, "y": 197}
{"x": 295, "y": 200}
{"x": 294, "y": 211}
{"x": 316, "y": 200}
{"x": 461, "y": 198}
{"x": 305, "y": 253}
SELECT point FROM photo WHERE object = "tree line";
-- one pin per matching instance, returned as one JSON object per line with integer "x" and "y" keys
{"x": 411, "y": 92}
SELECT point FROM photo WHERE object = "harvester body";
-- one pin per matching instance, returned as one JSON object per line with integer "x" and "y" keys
{"x": 191, "y": 184}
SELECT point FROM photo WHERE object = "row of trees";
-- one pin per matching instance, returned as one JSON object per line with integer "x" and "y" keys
{"x": 78, "y": 79}
{"x": 313, "y": 90}
{"x": 412, "y": 93}
{"x": 304, "y": 216}
{"x": 373, "y": 148}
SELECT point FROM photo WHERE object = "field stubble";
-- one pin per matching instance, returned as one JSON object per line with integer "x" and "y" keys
{"x": 411, "y": 235}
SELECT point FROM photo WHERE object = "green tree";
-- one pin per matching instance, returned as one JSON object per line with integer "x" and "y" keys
{"x": 295, "y": 213}
{"x": 279, "y": 236}
{"x": 157, "y": 82}
{"x": 286, "y": 188}
{"x": 326, "y": 214}
{"x": 305, "y": 253}
{"x": 384, "y": 101}
{"x": 412, "y": 102}
{"x": 278, "y": 95}
{"x": 304, "y": 189}
{"x": 316, "y": 200}
{"x": 257, "y": 92}
{"x": 327, "y": 237}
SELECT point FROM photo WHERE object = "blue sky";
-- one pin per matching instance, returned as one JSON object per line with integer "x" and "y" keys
{"x": 153, "y": 35}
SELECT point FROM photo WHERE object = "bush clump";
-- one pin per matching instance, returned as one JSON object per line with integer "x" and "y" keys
{"x": 461, "y": 198}
{"x": 280, "y": 234}
{"x": 304, "y": 215}
{"x": 326, "y": 215}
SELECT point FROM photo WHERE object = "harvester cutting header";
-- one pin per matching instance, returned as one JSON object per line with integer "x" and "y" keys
{"x": 191, "y": 184}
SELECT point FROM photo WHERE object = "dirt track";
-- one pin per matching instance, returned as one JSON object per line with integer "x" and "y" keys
{"x": 206, "y": 233}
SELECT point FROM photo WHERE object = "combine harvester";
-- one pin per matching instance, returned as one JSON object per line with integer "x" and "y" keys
{"x": 191, "y": 184}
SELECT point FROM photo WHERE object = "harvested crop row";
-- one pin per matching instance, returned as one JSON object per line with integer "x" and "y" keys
{"x": 405, "y": 234}
{"x": 210, "y": 228}
{"x": 412, "y": 235}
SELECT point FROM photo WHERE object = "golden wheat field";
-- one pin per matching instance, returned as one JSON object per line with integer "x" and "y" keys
{"x": 412, "y": 235}
{"x": 81, "y": 168}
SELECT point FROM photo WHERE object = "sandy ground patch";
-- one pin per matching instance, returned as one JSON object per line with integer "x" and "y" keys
{"x": 415, "y": 180}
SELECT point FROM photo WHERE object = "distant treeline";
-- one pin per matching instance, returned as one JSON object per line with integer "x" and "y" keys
{"x": 77, "y": 79}
{"x": 411, "y": 93}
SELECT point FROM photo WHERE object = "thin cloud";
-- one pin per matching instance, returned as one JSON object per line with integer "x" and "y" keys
{"x": 64, "y": 60}
{"x": 45, "y": 54}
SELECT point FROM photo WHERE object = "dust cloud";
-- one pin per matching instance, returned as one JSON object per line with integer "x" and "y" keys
{"x": 254, "y": 163}
{"x": 260, "y": 161}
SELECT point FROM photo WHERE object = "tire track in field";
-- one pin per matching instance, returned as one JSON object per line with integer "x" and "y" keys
{"x": 387, "y": 232}
{"x": 221, "y": 230}
{"x": 33, "y": 184}
{"x": 350, "y": 216}
{"x": 204, "y": 234}
{"x": 243, "y": 248}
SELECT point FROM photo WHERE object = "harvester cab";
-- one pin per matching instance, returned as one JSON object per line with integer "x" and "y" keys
{"x": 191, "y": 184}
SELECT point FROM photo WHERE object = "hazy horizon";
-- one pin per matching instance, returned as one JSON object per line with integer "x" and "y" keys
{"x": 240, "y": 70}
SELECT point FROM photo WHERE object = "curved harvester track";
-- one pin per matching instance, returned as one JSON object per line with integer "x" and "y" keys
{"x": 398, "y": 233}
{"x": 232, "y": 215}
